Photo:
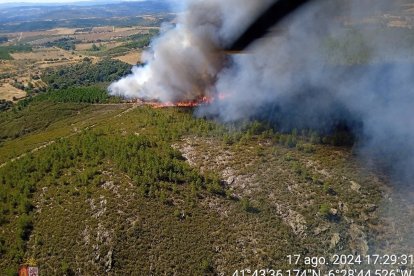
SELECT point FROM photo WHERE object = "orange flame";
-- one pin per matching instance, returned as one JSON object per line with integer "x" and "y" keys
{"x": 189, "y": 104}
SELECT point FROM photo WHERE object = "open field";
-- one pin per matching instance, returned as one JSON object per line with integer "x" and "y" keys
{"x": 28, "y": 54}
{"x": 51, "y": 57}
{"x": 46, "y": 54}
{"x": 88, "y": 35}
{"x": 25, "y": 65}
{"x": 131, "y": 58}
{"x": 88, "y": 46}
{"x": 108, "y": 36}
{"x": 9, "y": 92}
{"x": 27, "y": 36}
{"x": 6, "y": 66}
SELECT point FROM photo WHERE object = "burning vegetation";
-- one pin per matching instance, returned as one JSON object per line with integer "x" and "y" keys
{"x": 184, "y": 104}
{"x": 333, "y": 80}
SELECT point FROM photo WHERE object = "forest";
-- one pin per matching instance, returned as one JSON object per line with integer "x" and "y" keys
{"x": 85, "y": 73}
{"x": 149, "y": 160}
{"x": 87, "y": 94}
{"x": 134, "y": 151}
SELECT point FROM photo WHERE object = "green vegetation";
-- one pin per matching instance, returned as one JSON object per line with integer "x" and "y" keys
{"x": 138, "y": 41}
{"x": 95, "y": 48}
{"x": 5, "y": 105}
{"x": 92, "y": 94}
{"x": 351, "y": 46}
{"x": 89, "y": 183}
{"x": 86, "y": 73}
{"x": 66, "y": 43}
{"x": 349, "y": 49}
{"x": 34, "y": 25}
{"x": 122, "y": 176}
{"x": 26, "y": 119}
{"x": 152, "y": 164}
{"x": 5, "y": 51}
{"x": 324, "y": 210}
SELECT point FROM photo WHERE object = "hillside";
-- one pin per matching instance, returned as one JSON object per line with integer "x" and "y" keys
{"x": 94, "y": 184}
{"x": 23, "y": 18}
{"x": 120, "y": 188}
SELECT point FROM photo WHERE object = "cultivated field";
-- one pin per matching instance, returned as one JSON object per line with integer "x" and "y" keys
{"x": 108, "y": 36}
{"x": 28, "y": 36}
{"x": 6, "y": 66}
{"x": 88, "y": 46}
{"x": 131, "y": 58}
{"x": 45, "y": 54}
{"x": 10, "y": 93}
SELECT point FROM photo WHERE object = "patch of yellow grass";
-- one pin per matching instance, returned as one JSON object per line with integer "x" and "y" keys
{"x": 42, "y": 54}
{"x": 88, "y": 46}
{"x": 130, "y": 58}
{"x": 7, "y": 92}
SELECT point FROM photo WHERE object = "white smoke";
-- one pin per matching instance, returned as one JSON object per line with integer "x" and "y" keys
{"x": 364, "y": 77}
{"x": 291, "y": 75}
{"x": 184, "y": 61}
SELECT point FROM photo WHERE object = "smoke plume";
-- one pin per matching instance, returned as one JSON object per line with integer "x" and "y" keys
{"x": 332, "y": 62}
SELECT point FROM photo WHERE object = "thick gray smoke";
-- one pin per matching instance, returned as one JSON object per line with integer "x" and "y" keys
{"x": 314, "y": 71}
{"x": 184, "y": 61}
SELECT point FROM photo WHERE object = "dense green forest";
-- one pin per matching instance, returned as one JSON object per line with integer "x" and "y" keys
{"x": 149, "y": 160}
{"x": 154, "y": 166}
{"x": 89, "y": 94}
{"x": 140, "y": 41}
{"x": 85, "y": 73}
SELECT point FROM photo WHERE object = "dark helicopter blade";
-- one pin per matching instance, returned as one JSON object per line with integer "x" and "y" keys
{"x": 272, "y": 16}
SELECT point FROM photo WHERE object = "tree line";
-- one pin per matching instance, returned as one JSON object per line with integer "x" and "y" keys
{"x": 85, "y": 73}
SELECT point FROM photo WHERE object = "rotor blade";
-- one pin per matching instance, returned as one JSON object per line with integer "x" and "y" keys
{"x": 272, "y": 16}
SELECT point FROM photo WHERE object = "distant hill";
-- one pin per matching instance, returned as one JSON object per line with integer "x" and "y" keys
{"x": 15, "y": 17}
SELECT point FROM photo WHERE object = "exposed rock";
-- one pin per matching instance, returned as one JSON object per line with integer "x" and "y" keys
{"x": 292, "y": 218}
{"x": 86, "y": 235}
{"x": 108, "y": 261}
{"x": 342, "y": 207}
{"x": 355, "y": 186}
{"x": 334, "y": 211}
{"x": 336, "y": 238}
{"x": 371, "y": 208}
{"x": 320, "y": 229}
{"x": 358, "y": 241}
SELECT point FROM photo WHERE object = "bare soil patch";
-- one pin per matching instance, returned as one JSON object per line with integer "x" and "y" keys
{"x": 42, "y": 54}
{"x": 7, "y": 92}
{"x": 131, "y": 58}
{"x": 88, "y": 46}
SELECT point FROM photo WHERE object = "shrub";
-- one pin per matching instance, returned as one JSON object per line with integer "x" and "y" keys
{"x": 324, "y": 210}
